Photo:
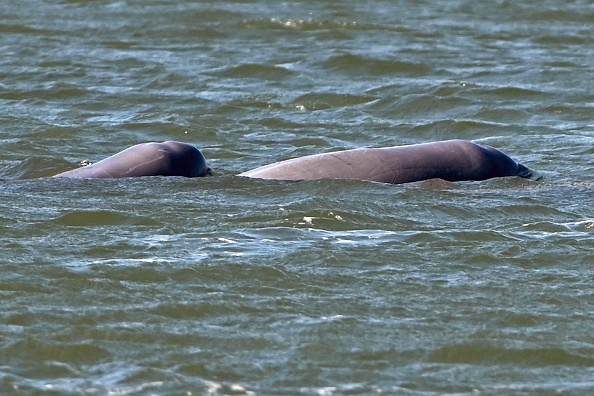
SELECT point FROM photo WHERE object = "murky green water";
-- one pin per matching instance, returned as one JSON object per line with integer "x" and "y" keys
{"x": 227, "y": 285}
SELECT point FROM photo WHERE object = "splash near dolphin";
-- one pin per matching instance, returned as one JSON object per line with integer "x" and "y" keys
{"x": 452, "y": 160}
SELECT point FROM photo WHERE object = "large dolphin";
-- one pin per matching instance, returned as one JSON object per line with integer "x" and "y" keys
{"x": 147, "y": 159}
{"x": 452, "y": 160}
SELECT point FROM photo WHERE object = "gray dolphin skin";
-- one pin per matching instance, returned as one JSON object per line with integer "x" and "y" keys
{"x": 147, "y": 159}
{"x": 452, "y": 160}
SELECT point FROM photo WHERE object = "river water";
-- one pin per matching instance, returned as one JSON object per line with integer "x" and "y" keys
{"x": 226, "y": 285}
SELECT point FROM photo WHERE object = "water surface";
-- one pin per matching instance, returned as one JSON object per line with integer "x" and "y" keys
{"x": 226, "y": 285}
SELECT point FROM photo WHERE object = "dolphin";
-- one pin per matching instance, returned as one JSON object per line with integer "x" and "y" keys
{"x": 451, "y": 160}
{"x": 147, "y": 159}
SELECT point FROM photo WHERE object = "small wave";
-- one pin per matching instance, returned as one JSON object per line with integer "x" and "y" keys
{"x": 504, "y": 93}
{"x": 22, "y": 29}
{"x": 300, "y": 24}
{"x": 313, "y": 25}
{"x": 36, "y": 352}
{"x": 561, "y": 39}
{"x": 565, "y": 14}
{"x": 547, "y": 229}
{"x": 572, "y": 112}
{"x": 468, "y": 129}
{"x": 420, "y": 106}
{"x": 502, "y": 114}
{"x": 226, "y": 389}
{"x": 514, "y": 92}
{"x": 322, "y": 101}
{"x": 29, "y": 168}
{"x": 254, "y": 70}
{"x": 100, "y": 218}
{"x": 479, "y": 353}
{"x": 358, "y": 64}
{"x": 582, "y": 225}
{"x": 51, "y": 91}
